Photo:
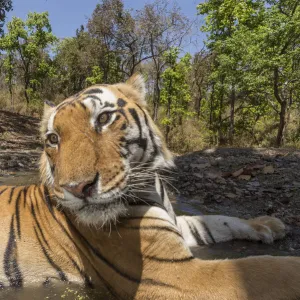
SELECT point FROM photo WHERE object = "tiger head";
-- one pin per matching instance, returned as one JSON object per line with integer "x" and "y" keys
{"x": 96, "y": 144}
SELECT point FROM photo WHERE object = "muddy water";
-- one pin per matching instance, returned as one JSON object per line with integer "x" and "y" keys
{"x": 234, "y": 249}
{"x": 20, "y": 178}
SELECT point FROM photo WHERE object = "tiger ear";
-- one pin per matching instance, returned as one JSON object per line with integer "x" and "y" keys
{"x": 137, "y": 82}
{"x": 49, "y": 107}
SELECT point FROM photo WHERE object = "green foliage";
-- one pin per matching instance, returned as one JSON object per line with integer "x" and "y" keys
{"x": 25, "y": 45}
{"x": 5, "y": 6}
{"x": 242, "y": 88}
{"x": 97, "y": 76}
{"x": 255, "y": 71}
{"x": 175, "y": 92}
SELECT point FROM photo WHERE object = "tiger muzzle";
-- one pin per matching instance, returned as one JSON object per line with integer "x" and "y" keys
{"x": 84, "y": 189}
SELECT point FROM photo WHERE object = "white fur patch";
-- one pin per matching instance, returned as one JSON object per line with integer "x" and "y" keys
{"x": 51, "y": 122}
{"x": 97, "y": 107}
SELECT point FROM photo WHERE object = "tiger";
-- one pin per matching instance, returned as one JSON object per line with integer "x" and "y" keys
{"x": 101, "y": 217}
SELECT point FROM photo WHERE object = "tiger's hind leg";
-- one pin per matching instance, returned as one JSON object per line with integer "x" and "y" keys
{"x": 210, "y": 229}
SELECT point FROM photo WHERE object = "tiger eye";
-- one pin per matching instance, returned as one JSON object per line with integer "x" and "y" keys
{"x": 53, "y": 138}
{"x": 104, "y": 118}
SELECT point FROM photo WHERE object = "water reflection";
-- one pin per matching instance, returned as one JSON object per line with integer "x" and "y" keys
{"x": 20, "y": 178}
{"x": 69, "y": 292}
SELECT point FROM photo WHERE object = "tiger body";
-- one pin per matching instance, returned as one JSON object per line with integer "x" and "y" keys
{"x": 102, "y": 217}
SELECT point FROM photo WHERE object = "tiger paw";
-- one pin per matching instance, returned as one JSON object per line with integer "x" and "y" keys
{"x": 268, "y": 228}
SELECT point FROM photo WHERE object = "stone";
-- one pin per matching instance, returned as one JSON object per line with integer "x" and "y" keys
{"x": 200, "y": 166}
{"x": 268, "y": 169}
{"x": 230, "y": 195}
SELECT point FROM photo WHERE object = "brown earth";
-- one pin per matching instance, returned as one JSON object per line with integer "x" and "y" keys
{"x": 20, "y": 144}
{"x": 234, "y": 182}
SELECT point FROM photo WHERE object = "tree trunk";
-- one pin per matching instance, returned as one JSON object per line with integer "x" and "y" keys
{"x": 156, "y": 100}
{"x": 221, "y": 139}
{"x": 282, "y": 121}
{"x": 211, "y": 108}
{"x": 198, "y": 104}
{"x": 26, "y": 85}
{"x": 12, "y": 100}
{"x": 288, "y": 113}
{"x": 26, "y": 93}
{"x": 168, "y": 127}
{"x": 232, "y": 105}
{"x": 283, "y": 106}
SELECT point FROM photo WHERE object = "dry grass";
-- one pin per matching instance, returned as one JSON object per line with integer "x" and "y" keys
{"x": 35, "y": 108}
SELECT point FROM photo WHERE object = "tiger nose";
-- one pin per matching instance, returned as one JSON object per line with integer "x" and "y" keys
{"x": 78, "y": 190}
{"x": 83, "y": 189}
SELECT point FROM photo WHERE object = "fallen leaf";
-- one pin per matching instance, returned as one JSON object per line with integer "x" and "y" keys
{"x": 256, "y": 166}
{"x": 244, "y": 177}
{"x": 268, "y": 169}
{"x": 238, "y": 172}
{"x": 230, "y": 195}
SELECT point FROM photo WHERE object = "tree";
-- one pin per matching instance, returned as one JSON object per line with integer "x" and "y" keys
{"x": 175, "y": 93}
{"x": 116, "y": 40}
{"x": 164, "y": 27}
{"x": 74, "y": 61}
{"x": 25, "y": 45}
{"x": 223, "y": 20}
{"x": 256, "y": 48}
{"x": 5, "y": 7}
{"x": 199, "y": 78}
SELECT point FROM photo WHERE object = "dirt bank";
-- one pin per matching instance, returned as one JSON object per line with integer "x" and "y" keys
{"x": 20, "y": 144}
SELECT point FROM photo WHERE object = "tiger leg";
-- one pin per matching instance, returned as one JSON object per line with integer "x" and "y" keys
{"x": 210, "y": 229}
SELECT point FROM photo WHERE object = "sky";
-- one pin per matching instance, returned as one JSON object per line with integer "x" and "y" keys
{"x": 67, "y": 15}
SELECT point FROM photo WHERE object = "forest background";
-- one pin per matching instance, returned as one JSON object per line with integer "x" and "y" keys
{"x": 241, "y": 88}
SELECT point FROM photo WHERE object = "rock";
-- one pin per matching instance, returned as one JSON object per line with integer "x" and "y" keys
{"x": 239, "y": 192}
{"x": 220, "y": 180}
{"x": 296, "y": 184}
{"x": 191, "y": 188}
{"x": 12, "y": 164}
{"x": 200, "y": 166}
{"x": 215, "y": 162}
{"x": 218, "y": 198}
{"x": 238, "y": 172}
{"x": 198, "y": 175}
{"x": 230, "y": 195}
{"x": 198, "y": 200}
{"x": 186, "y": 184}
{"x": 199, "y": 185}
{"x": 253, "y": 183}
{"x": 244, "y": 177}
{"x": 268, "y": 169}
{"x": 213, "y": 174}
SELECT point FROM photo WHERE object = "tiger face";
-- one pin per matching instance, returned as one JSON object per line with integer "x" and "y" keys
{"x": 94, "y": 143}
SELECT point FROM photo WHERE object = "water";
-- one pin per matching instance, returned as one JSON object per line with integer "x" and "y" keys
{"x": 66, "y": 292}
{"x": 20, "y": 178}
{"x": 233, "y": 249}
